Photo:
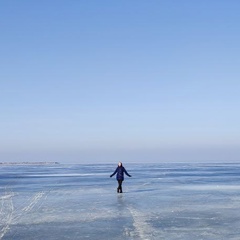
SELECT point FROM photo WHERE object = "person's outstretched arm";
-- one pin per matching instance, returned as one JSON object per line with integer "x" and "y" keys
{"x": 127, "y": 173}
{"x": 114, "y": 173}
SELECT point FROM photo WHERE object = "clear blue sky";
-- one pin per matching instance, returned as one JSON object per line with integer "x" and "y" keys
{"x": 103, "y": 81}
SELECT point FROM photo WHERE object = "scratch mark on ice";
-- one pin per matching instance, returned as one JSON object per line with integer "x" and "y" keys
{"x": 6, "y": 213}
{"x": 34, "y": 201}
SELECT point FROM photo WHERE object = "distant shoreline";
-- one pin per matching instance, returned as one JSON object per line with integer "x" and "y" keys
{"x": 28, "y": 163}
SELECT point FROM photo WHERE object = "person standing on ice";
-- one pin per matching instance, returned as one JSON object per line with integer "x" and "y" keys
{"x": 120, "y": 170}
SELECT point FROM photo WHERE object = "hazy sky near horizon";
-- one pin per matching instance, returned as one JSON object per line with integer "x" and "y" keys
{"x": 103, "y": 81}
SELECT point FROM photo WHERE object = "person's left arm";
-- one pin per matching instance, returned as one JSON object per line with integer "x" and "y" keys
{"x": 126, "y": 172}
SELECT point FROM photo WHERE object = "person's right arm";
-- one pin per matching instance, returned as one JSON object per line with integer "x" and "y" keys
{"x": 114, "y": 173}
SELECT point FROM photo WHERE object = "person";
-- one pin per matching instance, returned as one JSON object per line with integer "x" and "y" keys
{"x": 120, "y": 170}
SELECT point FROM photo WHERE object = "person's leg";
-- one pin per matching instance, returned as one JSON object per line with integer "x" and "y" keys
{"x": 120, "y": 186}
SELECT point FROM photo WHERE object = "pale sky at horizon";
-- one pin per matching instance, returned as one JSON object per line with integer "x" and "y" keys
{"x": 104, "y": 81}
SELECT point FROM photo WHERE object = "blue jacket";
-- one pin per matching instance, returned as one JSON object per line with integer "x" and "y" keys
{"x": 120, "y": 173}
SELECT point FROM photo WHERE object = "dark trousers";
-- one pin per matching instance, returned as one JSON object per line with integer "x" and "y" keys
{"x": 119, "y": 189}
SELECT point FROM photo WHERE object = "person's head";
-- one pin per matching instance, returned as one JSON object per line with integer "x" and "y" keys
{"x": 119, "y": 164}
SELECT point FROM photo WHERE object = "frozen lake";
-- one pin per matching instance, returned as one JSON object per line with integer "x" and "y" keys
{"x": 160, "y": 201}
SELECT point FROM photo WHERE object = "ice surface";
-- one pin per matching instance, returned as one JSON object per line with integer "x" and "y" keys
{"x": 160, "y": 201}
